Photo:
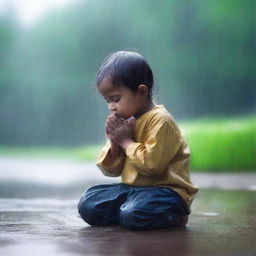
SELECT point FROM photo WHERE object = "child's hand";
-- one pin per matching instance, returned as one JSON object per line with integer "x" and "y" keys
{"x": 112, "y": 121}
{"x": 119, "y": 130}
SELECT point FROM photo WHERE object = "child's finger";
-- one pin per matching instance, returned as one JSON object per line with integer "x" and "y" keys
{"x": 110, "y": 122}
{"x": 107, "y": 123}
{"x": 131, "y": 122}
{"x": 107, "y": 130}
{"x": 112, "y": 116}
{"x": 120, "y": 121}
{"x": 112, "y": 119}
{"x": 116, "y": 122}
{"x": 110, "y": 125}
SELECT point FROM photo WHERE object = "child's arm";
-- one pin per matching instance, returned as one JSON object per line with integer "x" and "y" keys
{"x": 111, "y": 159}
{"x": 152, "y": 156}
{"x": 115, "y": 151}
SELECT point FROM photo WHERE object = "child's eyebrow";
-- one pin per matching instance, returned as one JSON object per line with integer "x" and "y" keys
{"x": 113, "y": 96}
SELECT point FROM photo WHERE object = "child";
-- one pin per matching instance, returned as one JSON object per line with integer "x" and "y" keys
{"x": 145, "y": 147}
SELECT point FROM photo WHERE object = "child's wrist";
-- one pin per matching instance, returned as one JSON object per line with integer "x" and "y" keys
{"x": 124, "y": 143}
{"x": 115, "y": 150}
{"x": 114, "y": 146}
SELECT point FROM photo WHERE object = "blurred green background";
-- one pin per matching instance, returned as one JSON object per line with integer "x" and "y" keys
{"x": 202, "y": 53}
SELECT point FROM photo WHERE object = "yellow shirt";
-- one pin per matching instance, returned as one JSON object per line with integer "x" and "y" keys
{"x": 158, "y": 157}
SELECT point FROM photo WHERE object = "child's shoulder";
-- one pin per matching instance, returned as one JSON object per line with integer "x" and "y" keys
{"x": 159, "y": 115}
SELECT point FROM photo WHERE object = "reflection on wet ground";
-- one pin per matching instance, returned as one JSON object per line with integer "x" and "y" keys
{"x": 222, "y": 223}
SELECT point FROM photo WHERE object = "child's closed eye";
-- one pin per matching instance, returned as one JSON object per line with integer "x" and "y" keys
{"x": 113, "y": 99}
{"x": 116, "y": 100}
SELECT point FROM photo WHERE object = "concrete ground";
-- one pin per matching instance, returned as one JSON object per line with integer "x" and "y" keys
{"x": 38, "y": 215}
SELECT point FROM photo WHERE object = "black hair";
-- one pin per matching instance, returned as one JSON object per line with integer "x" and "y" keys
{"x": 126, "y": 68}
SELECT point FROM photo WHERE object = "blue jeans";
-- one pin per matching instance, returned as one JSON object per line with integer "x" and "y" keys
{"x": 134, "y": 207}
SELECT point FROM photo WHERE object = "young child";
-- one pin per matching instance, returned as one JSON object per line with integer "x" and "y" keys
{"x": 145, "y": 147}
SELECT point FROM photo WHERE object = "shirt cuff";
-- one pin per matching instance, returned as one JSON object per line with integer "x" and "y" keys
{"x": 104, "y": 158}
{"x": 131, "y": 148}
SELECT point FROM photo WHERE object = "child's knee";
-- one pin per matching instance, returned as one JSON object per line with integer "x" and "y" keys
{"x": 128, "y": 219}
{"x": 97, "y": 212}
{"x": 133, "y": 219}
{"x": 181, "y": 221}
{"x": 85, "y": 210}
{"x": 141, "y": 220}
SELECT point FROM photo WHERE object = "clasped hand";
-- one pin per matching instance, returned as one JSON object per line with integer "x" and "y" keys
{"x": 119, "y": 130}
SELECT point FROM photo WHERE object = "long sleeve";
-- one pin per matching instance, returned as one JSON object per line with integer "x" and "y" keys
{"x": 103, "y": 162}
{"x": 153, "y": 156}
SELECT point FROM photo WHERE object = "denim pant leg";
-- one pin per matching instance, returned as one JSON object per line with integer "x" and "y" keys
{"x": 152, "y": 208}
{"x": 100, "y": 204}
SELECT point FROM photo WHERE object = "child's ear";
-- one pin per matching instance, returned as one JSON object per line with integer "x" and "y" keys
{"x": 143, "y": 90}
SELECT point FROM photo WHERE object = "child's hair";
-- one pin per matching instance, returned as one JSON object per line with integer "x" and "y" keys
{"x": 126, "y": 68}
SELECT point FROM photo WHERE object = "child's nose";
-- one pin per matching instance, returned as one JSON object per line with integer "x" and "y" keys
{"x": 112, "y": 107}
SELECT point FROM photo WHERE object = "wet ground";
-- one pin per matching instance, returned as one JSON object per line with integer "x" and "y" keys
{"x": 40, "y": 218}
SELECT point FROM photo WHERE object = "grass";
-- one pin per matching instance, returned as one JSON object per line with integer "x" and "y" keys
{"x": 215, "y": 145}
{"x": 86, "y": 153}
{"x": 222, "y": 144}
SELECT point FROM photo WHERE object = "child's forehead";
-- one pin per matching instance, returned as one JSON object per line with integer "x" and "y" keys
{"x": 107, "y": 87}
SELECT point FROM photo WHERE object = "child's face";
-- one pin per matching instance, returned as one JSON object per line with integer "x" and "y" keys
{"x": 121, "y": 100}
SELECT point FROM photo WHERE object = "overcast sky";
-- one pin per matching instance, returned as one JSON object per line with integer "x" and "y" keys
{"x": 29, "y": 11}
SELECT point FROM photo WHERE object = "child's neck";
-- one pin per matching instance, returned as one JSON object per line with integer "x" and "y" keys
{"x": 145, "y": 108}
